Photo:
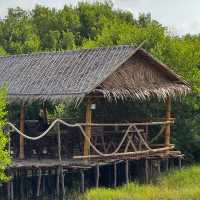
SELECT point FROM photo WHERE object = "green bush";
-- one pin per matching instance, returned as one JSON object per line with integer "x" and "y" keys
{"x": 4, "y": 154}
{"x": 177, "y": 185}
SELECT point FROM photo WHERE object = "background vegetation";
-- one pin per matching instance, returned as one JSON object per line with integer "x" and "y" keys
{"x": 4, "y": 154}
{"x": 90, "y": 25}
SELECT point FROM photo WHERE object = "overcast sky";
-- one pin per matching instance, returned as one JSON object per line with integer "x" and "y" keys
{"x": 181, "y": 16}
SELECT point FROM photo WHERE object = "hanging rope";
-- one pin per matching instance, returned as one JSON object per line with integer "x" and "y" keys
{"x": 84, "y": 134}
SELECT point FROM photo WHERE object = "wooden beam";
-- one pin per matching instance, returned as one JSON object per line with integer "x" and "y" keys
{"x": 88, "y": 128}
{"x": 21, "y": 127}
{"x": 168, "y": 126}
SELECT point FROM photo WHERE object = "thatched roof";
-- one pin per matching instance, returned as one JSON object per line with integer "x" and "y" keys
{"x": 119, "y": 72}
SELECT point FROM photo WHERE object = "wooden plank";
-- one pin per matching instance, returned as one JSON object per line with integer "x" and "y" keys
{"x": 88, "y": 128}
{"x": 21, "y": 139}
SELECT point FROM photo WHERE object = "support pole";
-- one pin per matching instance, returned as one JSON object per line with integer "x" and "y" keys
{"x": 168, "y": 126}
{"x": 127, "y": 171}
{"x": 39, "y": 182}
{"x": 180, "y": 162}
{"x": 115, "y": 174}
{"x": 57, "y": 181}
{"x": 62, "y": 181}
{"x": 12, "y": 187}
{"x": 82, "y": 181}
{"x": 88, "y": 128}
{"x": 21, "y": 125}
{"x": 146, "y": 171}
{"x": 167, "y": 164}
{"x": 97, "y": 176}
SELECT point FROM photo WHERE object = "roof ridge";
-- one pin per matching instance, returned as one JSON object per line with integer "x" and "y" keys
{"x": 66, "y": 51}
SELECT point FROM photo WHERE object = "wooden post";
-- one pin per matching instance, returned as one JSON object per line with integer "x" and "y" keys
{"x": 57, "y": 181}
{"x": 82, "y": 181}
{"x": 168, "y": 126}
{"x": 21, "y": 125}
{"x": 127, "y": 171}
{"x": 62, "y": 176}
{"x": 59, "y": 142}
{"x": 97, "y": 176}
{"x": 88, "y": 120}
{"x": 167, "y": 164}
{"x": 39, "y": 182}
{"x": 146, "y": 171}
{"x": 115, "y": 174}
{"x": 180, "y": 162}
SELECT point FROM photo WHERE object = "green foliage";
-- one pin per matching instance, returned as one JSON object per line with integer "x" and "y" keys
{"x": 177, "y": 185}
{"x": 4, "y": 154}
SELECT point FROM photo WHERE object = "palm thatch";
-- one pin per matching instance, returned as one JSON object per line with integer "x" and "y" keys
{"x": 118, "y": 72}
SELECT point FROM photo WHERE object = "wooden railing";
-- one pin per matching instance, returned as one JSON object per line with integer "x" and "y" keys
{"x": 126, "y": 139}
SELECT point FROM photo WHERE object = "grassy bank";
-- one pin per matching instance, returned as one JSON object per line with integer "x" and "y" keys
{"x": 177, "y": 185}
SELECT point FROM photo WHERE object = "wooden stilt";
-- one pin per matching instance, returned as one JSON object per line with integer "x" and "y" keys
{"x": 88, "y": 128}
{"x": 146, "y": 171}
{"x": 21, "y": 139}
{"x": 115, "y": 174}
{"x": 11, "y": 187}
{"x": 180, "y": 163}
{"x": 58, "y": 182}
{"x": 127, "y": 171}
{"x": 82, "y": 181}
{"x": 159, "y": 172}
{"x": 97, "y": 176}
{"x": 39, "y": 181}
{"x": 8, "y": 190}
{"x": 62, "y": 181}
{"x": 21, "y": 185}
{"x": 168, "y": 127}
{"x": 167, "y": 164}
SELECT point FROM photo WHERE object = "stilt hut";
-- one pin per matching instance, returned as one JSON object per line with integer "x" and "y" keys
{"x": 116, "y": 74}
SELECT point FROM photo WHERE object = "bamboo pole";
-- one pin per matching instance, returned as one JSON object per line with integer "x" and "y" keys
{"x": 137, "y": 153}
{"x": 168, "y": 127}
{"x": 21, "y": 125}
{"x": 88, "y": 119}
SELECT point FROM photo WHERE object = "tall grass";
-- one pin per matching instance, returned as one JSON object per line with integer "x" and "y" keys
{"x": 176, "y": 185}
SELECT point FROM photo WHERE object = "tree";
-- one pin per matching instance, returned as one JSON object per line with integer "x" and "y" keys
{"x": 4, "y": 154}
